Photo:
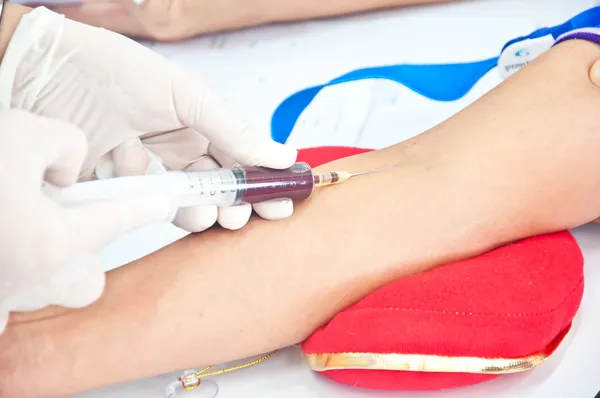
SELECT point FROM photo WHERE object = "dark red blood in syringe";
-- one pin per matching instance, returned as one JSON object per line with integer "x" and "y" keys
{"x": 295, "y": 183}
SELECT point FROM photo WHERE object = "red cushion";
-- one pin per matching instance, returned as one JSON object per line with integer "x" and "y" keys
{"x": 511, "y": 302}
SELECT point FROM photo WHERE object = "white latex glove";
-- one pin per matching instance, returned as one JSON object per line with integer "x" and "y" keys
{"x": 48, "y": 253}
{"x": 128, "y": 99}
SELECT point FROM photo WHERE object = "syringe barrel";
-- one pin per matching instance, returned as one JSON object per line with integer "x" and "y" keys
{"x": 295, "y": 183}
{"x": 230, "y": 187}
{"x": 220, "y": 187}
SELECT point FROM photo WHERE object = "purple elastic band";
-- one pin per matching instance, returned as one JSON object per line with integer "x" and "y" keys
{"x": 593, "y": 36}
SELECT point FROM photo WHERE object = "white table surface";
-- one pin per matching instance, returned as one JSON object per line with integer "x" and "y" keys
{"x": 255, "y": 69}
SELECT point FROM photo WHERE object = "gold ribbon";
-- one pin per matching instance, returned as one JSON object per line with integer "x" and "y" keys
{"x": 430, "y": 363}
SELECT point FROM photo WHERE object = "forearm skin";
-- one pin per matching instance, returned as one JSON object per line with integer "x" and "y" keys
{"x": 520, "y": 161}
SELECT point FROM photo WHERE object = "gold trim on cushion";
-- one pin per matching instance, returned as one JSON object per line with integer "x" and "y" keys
{"x": 430, "y": 363}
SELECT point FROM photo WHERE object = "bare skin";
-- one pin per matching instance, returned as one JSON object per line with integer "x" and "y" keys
{"x": 520, "y": 161}
{"x": 179, "y": 19}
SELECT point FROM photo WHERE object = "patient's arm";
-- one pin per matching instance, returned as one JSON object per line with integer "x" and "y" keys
{"x": 276, "y": 10}
{"x": 179, "y": 19}
{"x": 523, "y": 160}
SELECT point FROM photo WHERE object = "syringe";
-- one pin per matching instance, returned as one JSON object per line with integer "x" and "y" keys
{"x": 221, "y": 187}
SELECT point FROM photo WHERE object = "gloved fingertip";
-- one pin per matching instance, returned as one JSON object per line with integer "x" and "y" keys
{"x": 61, "y": 178}
{"x": 130, "y": 158}
{"x": 87, "y": 290}
{"x": 32, "y": 299}
{"x": 156, "y": 208}
{"x": 155, "y": 167}
{"x": 276, "y": 209}
{"x": 595, "y": 73}
{"x": 196, "y": 219}
{"x": 273, "y": 155}
{"x": 105, "y": 168}
{"x": 234, "y": 217}
{"x": 63, "y": 153}
{"x": 205, "y": 162}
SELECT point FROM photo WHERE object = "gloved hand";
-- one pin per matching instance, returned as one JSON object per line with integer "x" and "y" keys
{"x": 128, "y": 100}
{"x": 47, "y": 253}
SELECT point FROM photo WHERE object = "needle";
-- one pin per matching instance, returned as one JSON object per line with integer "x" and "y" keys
{"x": 338, "y": 177}
{"x": 371, "y": 171}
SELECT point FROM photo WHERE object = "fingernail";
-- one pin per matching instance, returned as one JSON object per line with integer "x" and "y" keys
{"x": 595, "y": 74}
